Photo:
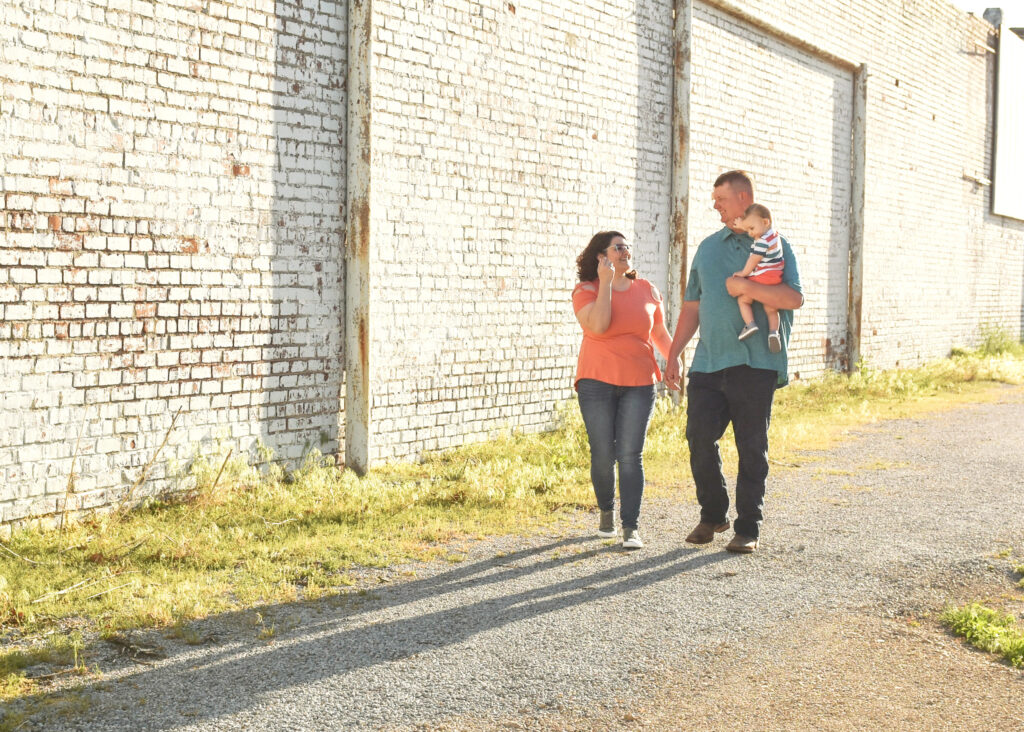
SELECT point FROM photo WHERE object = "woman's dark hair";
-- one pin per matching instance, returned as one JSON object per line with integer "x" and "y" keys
{"x": 586, "y": 263}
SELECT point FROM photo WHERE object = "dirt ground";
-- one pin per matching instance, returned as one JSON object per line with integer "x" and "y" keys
{"x": 838, "y": 672}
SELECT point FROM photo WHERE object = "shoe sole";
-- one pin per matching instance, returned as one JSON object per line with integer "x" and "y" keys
{"x": 608, "y": 534}
{"x": 631, "y": 545}
{"x": 774, "y": 345}
{"x": 722, "y": 528}
{"x": 745, "y": 336}
{"x": 741, "y": 549}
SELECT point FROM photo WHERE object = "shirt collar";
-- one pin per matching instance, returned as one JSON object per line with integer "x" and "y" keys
{"x": 730, "y": 235}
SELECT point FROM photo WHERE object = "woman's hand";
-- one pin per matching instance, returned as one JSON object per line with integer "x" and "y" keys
{"x": 674, "y": 373}
{"x": 597, "y": 316}
{"x": 605, "y": 270}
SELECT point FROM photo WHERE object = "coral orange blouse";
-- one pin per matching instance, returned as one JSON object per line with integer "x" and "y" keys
{"x": 624, "y": 354}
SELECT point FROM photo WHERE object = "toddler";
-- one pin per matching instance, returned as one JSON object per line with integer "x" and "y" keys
{"x": 764, "y": 265}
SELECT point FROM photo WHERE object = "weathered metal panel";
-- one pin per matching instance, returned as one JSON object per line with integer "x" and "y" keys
{"x": 677, "y": 253}
{"x": 857, "y": 195}
{"x": 357, "y": 242}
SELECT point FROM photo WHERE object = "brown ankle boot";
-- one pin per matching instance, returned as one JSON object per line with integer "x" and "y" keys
{"x": 705, "y": 532}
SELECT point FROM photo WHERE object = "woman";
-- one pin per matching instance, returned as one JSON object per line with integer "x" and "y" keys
{"x": 623, "y": 322}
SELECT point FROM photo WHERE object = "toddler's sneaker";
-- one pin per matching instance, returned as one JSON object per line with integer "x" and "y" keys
{"x": 606, "y": 529}
{"x": 774, "y": 342}
{"x": 631, "y": 539}
{"x": 748, "y": 330}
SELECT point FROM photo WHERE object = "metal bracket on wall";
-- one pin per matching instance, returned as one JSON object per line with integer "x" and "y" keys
{"x": 977, "y": 48}
{"x": 977, "y": 179}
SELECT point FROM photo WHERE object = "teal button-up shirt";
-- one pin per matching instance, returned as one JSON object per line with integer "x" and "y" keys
{"x": 717, "y": 258}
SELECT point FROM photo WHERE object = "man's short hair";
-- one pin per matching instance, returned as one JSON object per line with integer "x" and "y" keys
{"x": 738, "y": 180}
{"x": 758, "y": 209}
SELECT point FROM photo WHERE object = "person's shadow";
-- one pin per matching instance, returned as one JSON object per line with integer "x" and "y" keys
{"x": 236, "y": 678}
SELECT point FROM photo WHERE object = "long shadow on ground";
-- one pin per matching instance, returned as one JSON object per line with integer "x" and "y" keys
{"x": 234, "y": 678}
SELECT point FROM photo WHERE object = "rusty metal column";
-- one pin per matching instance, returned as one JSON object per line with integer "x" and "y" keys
{"x": 681, "y": 71}
{"x": 357, "y": 238}
{"x": 857, "y": 200}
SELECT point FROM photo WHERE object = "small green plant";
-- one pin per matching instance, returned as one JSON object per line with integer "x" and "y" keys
{"x": 989, "y": 630}
{"x": 995, "y": 341}
{"x": 58, "y": 650}
{"x": 12, "y": 676}
{"x": 998, "y": 341}
{"x": 266, "y": 633}
{"x": 185, "y": 633}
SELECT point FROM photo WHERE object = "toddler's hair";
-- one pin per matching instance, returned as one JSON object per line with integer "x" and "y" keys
{"x": 759, "y": 210}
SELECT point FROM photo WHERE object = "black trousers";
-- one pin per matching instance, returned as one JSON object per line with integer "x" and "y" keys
{"x": 741, "y": 395}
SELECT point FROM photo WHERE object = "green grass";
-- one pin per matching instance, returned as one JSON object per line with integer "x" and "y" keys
{"x": 254, "y": 537}
{"x": 276, "y": 536}
{"x": 58, "y": 650}
{"x": 994, "y": 342}
{"x": 989, "y": 630}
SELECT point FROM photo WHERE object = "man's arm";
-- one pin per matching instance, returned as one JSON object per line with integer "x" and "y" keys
{"x": 686, "y": 326}
{"x": 780, "y": 297}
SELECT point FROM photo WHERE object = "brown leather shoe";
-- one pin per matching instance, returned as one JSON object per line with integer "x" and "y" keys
{"x": 705, "y": 532}
{"x": 741, "y": 544}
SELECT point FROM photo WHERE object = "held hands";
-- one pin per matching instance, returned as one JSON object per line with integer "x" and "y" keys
{"x": 674, "y": 373}
{"x": 740, "y": 273}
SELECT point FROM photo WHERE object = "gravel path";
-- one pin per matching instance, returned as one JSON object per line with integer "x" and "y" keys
{"x": 568, "y": 631}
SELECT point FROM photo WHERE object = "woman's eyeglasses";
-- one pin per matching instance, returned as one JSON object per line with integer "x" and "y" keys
{"x": 623, "y": 247}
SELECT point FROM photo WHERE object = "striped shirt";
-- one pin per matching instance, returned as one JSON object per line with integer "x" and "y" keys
{"x": 768, "y": 246}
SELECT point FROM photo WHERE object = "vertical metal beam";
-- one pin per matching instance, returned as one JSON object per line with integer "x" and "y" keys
{"x": 857, "y": 193}
{"x": 357, "y": 238}
{"x": 681, "y": 71}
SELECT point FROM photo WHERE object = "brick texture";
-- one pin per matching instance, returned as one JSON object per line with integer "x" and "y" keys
{"x": 938, "y": 267}
{"x": 173, "y": 209}
{"x": 507, "y": 135}
{"x": 786, "y": 117}
{"x": 172, "y": 216}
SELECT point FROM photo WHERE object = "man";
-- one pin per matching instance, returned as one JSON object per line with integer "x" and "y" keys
{"x": 730, "y": 380}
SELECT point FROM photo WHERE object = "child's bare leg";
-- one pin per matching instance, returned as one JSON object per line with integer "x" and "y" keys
{"x": 748, "y": 317}
{"x": 745, "y": 310}
{"x": 774, "y": 340}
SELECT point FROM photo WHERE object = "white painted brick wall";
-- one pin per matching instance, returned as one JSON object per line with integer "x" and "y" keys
{"x": 786, "y": 117}
{"x": 172, "y": 215}
{"x": 506, "y": 135}
{"x": 173, "y": 174}
{"x": 928, "y": 124}
{"x": 526, "y": 127}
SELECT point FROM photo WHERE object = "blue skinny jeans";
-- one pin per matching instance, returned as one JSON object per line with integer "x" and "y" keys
{"x": 616, "y": 418}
